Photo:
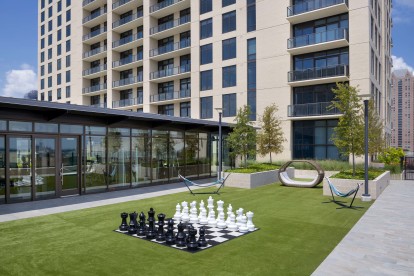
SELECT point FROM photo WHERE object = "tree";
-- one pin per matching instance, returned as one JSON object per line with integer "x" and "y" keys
{"x": 376, "y": 139}
{"x": 242, "y": 139}
{"x": 32, "y": 95}
{"x": 348, "y": 136}
{"x": 270, "y": 138}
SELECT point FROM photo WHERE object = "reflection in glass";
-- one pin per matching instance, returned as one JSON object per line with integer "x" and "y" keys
{"x": 45, "y": 167}
{"x": 20, "y": 161}
{"x": 214, "y": 154}
{"x": 191, "y": 154}
{"x": 203, "y": 158}
{"x": 141, "y": 164}
{"x": 20, "y": 126}
{"x": 2, "y": 170}
{"x": 95, "y": 164}
{"x": 69, "y": 167}
{"x": 176, "y": 164}
{"x": 160, "y": 155}
{"x": 118, "y": 174}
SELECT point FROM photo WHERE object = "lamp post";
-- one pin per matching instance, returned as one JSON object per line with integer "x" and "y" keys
{"x": 366, "y": 196}
{"x": 220, "y": 111}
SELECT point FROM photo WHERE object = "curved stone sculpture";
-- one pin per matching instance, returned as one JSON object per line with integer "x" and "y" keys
{"x": 287, "y": 181}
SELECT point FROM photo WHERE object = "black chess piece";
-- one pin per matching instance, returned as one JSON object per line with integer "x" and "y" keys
{"x": 160, "y": 231}
{"x": 192, "y": 241}
{"x": 202, "y": 242}
{"x": 180, "y": 237}
{"x": 132, "y": 229}
{"x": 142, "y": 226}
{"x": 124, "y": 224}
{"x": 189, "y": 226}
{"x": 150, "y": 234}
{"x": 169, "y": 236}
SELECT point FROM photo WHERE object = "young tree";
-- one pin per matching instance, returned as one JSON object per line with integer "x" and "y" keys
{"x": 376, "y": 139}
{"x": 270, "y": 137}
{"x": 242, "y": 139}
{"x": 348, "y": 136}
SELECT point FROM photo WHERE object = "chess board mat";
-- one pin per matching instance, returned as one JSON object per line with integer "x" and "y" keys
{"x": 214, "y": 236}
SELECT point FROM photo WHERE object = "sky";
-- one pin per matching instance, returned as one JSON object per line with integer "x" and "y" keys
{"x": 18, "y": 43}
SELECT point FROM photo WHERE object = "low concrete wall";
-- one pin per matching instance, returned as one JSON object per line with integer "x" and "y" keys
{"x": 375, "y": 187}
{"x": 253, "y": 180}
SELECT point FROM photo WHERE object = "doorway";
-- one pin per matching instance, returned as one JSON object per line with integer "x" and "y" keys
{"x": 69, "y": 167}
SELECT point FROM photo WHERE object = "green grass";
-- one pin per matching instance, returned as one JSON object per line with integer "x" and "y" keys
{"x": 297, "y": 231}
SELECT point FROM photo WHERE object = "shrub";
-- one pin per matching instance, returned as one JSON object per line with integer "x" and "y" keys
{"x": 359, "y": 174}
{"x": 391, "y": 156}
{"x": 255, "y": 167}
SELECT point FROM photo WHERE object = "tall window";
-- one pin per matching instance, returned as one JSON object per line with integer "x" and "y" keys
{"x": 68, "y": 30}
{"x": 59, "y": 49}
{"x": 206, "y": 54}
{"x": 68, "y": 16}
{"x": 59, "y": 20}
{"x": 225, "y": 3}
{"x": 67, "y": 91}
{"x": 229, "y": 48}
{"x": 59, "y": 6}
{"x": 59, "y": 35}
{"x": 42, "y": 43}
{"x": 68, "y": 76}
{"x": 206, "y": 107}
{"x": 49, "y": 53}
{"x": 229, "y": 105}
{"x": 59, "y": 93}
{"x": 59, "y": 64}
{"x": 49, "y": 68}
{"x": 67, "y": 45}
{"x": 206, "y": 28}
{"x": 251, "y": 15}
{"x": 68, "y": 61}
{"x": 49, "y": 39}
{"x": 185, "y": 109}
{"x": 42, "y": 16}
{"x": 206, "y": 6}
{"x": 229, "y": 76}
{"x": 167, "y": 109}
{"x": 59, "y": 79}
{"x": 229, "y": 22}
{"x": 206, "y": 80}
{"x": 251, "y": 77}
{"x": 49, "y": 96}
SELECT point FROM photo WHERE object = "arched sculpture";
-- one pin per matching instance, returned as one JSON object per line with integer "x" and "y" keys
{"x": 287, "y": 181}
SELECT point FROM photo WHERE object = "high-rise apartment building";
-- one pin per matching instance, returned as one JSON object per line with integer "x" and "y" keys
{"x": 402, "y": 107}
{"x": 187, "y": 57}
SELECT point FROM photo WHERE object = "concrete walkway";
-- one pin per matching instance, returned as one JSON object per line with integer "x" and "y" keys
{"x": 382, "y": 241}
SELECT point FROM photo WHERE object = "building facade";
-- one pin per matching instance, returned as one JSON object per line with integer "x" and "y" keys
{"x": 186, "y": 57}
{"x": 402, "y": 134}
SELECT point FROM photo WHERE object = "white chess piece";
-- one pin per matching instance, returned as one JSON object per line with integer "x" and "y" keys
{"x": 239, "y": 213}
{"x": 229, "y": 211}
{"x": 210, "y": 202}
{"x": 212, "y": 218}
{"x": 201, "y": 209}
{"x": 221, "y": 223}
{"x": 184, "y": 214}
{"x": 203, "y": 219}
{"x": 250, "y": 224}
{"x": 193, "y": 212}
{"x": 232, "y": 226}
{"x": 243, "y": 227}
{"x": 220, "y": 208}
{"x": 177, "y": 215}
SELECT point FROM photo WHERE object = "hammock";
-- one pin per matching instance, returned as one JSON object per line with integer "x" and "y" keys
{"x": 189, "y": 183}
{"x": 335, "y": 191}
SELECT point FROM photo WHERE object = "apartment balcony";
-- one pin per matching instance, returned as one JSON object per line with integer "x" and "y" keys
{"x": 127, "y": 102}
{"x": 127, "y": 42}
{"x": 95, "y": 54}
{"x": 167, "y": 7}
{"x": 95, "y": 72}
{"x": 313, "y": 76}
{"x": 322, "y": 41}
{"x": 100, "y": 105}
{"x": 91, "y": 5}
{"x": 128, "y": 82}
{"x": 95, "y": 36}
{"x": 129, "y": 22}
{"x": 94, "y": 90}
{"x": 170, "y": 97}
{"x": 312, "y": 109}
{"x": 128, "y": 62}
{"x": 96, "y": 18}
{"x": 315, "y": 9}
{"x": 176, "y": 26}
{"x": 171, "y": 50}
{"x": 123, "y": 6}
{"x": 171, "y": 73}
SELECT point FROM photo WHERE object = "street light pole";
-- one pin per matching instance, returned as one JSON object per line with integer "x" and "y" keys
{"x": 366, "y": 196}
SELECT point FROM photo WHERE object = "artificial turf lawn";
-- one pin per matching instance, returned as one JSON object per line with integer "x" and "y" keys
{"x": 297, "y": 231}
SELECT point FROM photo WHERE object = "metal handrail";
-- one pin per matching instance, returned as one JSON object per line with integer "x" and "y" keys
{"x": 127, "y": 60}
{"x": 312, "y": 109}
{"x": 170, "y": 72}
{"x": 94, "y": 88}
{"x": 312, "y": 5}
{"x": 127, "y": 102}
{"x": 171, "y": 47}
{"x": 119, "y": 3}
{"x": 315, "y": 38}
{"x": 127, "y": 19}
{"x": 94, "y": 70}
{"x": 94, "y": 15}
{"x": 86, "y": 2}
{"x": 170, "y": 24}
{"x": 318, "y": 73}
{"x": 94, "y": 51}
{"x": 94, "y": 33}
{"x": 163, "y": 4}
{"x": 171, "y": 95}
{"x": 127, "y": 39}
{"x": 128, "y": 81}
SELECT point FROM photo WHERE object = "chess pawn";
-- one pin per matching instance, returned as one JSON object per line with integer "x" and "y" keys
{"x": 220, "y": 208}
{"x": 210, "y": 202}
{"x": 169, "y": 236}
{"x": 202, "y": 242}
{"x": 221, "y": 222}
{"x": 232, "y": 226}
{"x": 184, "y": 215}
{"x": 124, "y": 225}
{"x": 229, "y": 211}
{"x": 132, "y": 229}
{"x": 212, "y": 219}
{"x": 243, "y": 227}
{"x": 160, "y": 232}
{"x": 193, "y": 211}
{"x": 203, "y": 219}
{"x": 239, "y": 213}
{"x": 192, "y": 241}
{"x": 177, "y": 215}
{"x": 181, "y": 236}
{"x": 250, "y": 224}
{"x": 142, "y": 226}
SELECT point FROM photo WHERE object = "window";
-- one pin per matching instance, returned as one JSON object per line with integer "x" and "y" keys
{"x": 42, "y": 56}
{"x": 225, "y": 3}
{"x": 59, "y": 79}
{"x": 229, "y": 105}
{"x": 206, "y": 80}
{"x": 49, "y": 68}
{"x": 229, "y": 76}
{"x": 251, "y": 49}
{"x": 67, "y": 91}
{"x": 50, "y": 26}
{"x": 68, "y": 61}
{"x": 68, "y": 16}
{"x": 206, "y": 6}
{"x": 185, "y": 109}
{"x": 49, "y": 81}
{"x": 59, "y": 20}
{"x": 49, "y": 39}
{"x": 59, "y": 6}
{"x": 42, "y": 96}
{"x": 49, "y": 53}
{"x": 68, "y": 76}
{"x": 59, "y": 93}
{"x": 42, "y": 84}
{"x": 68, "y": 2}
{"x": 229, "y": 48}
{"x": 42, "y": 16}
{"x": 206, "y": 28}
{"x": 42, "y": 4}
{"x": 251, "y": 77}
{"x": 59, "y": 35}
{"x": 251, "y": 15}
{"x": 167, "y": 109}
{"x": 42, "y": 30}
{"x": 59, "y": 49}
{"x": 42, "y": 70}
{"x": 206, "y": 107}
{"x": 49, "y": 96}
{"x": 67, "y": 30}
{"x": 229, "y": 22}
{"x": 50, "y": 11}
{"x": 67, "y": 45}
{"x": 59, "y": 64}
{"x": 206, "y": 54}
{"x": 42, "y": 43}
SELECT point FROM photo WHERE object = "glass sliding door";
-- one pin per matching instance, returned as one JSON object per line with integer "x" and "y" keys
{"x": 160, "y": 149}
{"x": 45, "y": 167}
{"x": 20, "y": 175}
{"x": 203, "y": 156}
{"x": 69, "y": 168}
{"x": 119, "y": 169}
{"x": 95, "y": 164}
{"x": 2, "y": 170}
{"x": 140, "y": 155}
{"x": 191, "y": 154}
{"x": 176, "y": 164}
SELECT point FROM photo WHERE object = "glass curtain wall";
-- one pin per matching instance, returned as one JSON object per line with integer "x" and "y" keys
{"x": 95, "y": 146}
{"x": 203, "y": 156}
{"x": 191, "y": 154}
{"x": 214, "y": 154}
{"x": 177, "y": 156}
{"x": 20, "y": 162}
{"x": 2, "y": 170}
{"x": 45, "y": 167}
{"x": 119, "y": 165}
{"x": 160, "y": 149}
{"x": 140, "y": 156}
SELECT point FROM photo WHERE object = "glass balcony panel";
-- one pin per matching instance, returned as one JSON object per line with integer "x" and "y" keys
{"x": 312, "y": 109}
{"x": 127, "y": 19}
{"x": 171, "y": 47}
{"x": 315, "y": 38}
{"x": 163, "y": 4}
{"x": 94, "y": 15}
{"x": 312, "y": 5}
{"x": 127, "y": 39}
{"x": 318, "y": 73}
{"x": 170, "y": 24}
{"x": 119, "y": 3}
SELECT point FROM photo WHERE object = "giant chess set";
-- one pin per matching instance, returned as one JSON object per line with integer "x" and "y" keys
{"x": 190, "y": 230}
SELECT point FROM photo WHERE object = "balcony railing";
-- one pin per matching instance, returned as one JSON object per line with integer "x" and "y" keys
{"x": 94, "y": 15}
{"x": 170, "y": 24}
{"x": 127, "y": 60}
{"x": 100, "y": 105}
{"x": 94, "y": 33}
{"x": 163, "y": 4}
{"x": 119, "y": 3}
{"x": 316, "y": 38}
{"x": 127, "y": 102}
{"x": 170, "y": 72}
{"x": 171, "y": 96}
{"x": 94, "y": 88}
{"x": 127, "y": 19}
{"x": 127, "y": 39}
{"x": 86, "y": 2}
{"x": 171, "y": 47}
{"x": 312, "y": 109}
{"x": 318, "y": 73}
{"x": 94, "y": 52}
{"x": 312, "y": 5}
{"x": 127, "y": 81}
{"x": 94, "y": 70}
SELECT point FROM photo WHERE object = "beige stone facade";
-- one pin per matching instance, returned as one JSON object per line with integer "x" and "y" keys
{"x": 99, "y": 38}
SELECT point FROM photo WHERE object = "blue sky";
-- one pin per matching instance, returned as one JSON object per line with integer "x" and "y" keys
{"x": 18, "y": 43}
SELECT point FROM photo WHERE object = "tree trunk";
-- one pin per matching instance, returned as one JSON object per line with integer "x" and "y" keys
{"x": 353, "y": 164}
{"x": 270, "y": 158}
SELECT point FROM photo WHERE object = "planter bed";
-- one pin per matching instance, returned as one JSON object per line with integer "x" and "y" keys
{"x": 253, "y": 180}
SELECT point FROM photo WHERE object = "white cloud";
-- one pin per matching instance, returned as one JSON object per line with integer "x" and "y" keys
{"x": 400, "y": 64}
{"x": 19, "y": 82}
